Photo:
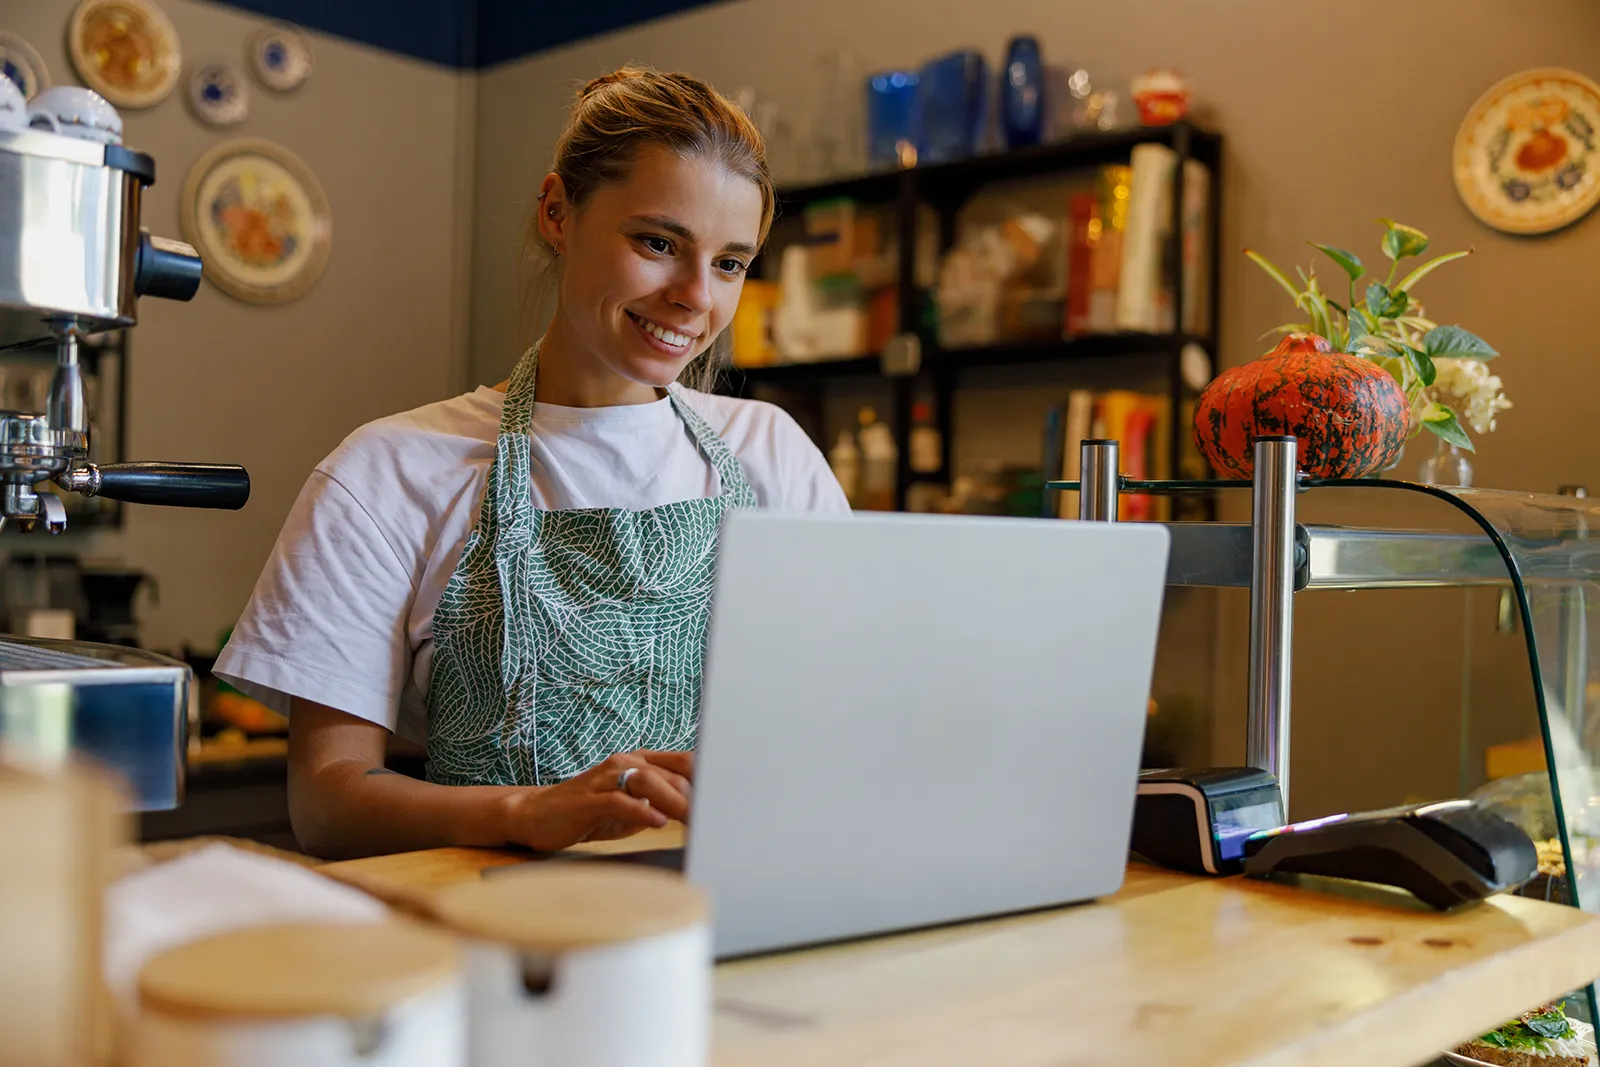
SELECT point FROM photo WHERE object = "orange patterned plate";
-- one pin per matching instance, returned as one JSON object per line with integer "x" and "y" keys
{"x": 1525, "y": 157}
{"x": 259, "y": 219}
{"x": 125, "y": 50}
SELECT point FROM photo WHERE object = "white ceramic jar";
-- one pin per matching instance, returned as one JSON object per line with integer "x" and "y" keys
{"x": 584, "y": 964}
{"x": 308, "y": 994}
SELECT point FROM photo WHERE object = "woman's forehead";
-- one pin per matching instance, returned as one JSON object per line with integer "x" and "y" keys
{"x": 719, "y": 204}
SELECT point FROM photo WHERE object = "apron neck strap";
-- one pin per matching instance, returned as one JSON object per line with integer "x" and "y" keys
{"x": 516, "y": 420}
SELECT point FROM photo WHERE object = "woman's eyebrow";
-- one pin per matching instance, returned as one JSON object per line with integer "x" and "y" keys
{"x": 673, "y": 226}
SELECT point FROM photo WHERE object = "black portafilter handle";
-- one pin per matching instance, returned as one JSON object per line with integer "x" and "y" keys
{"x": 175, "y": 485}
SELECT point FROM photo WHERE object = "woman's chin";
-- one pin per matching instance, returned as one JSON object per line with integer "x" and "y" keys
{"x": 655, "y": 369}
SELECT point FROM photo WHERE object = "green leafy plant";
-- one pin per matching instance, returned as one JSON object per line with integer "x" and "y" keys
{"x": 1441, "y": 368}
{"x": 1533, "y": 1032}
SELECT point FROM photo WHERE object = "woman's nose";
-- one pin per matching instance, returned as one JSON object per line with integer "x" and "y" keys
{"x": 691, "y": 288}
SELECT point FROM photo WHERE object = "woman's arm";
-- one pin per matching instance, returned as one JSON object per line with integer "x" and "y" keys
{"x": 343, "y": 803}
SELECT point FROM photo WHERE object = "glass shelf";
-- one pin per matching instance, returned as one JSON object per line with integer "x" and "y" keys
{"x": 1544, "y": 551}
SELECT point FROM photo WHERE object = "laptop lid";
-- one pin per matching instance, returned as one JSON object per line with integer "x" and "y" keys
{"x": 908, "y": 720}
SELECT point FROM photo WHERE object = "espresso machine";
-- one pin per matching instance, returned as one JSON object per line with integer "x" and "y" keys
{"x": 74, "y": 262}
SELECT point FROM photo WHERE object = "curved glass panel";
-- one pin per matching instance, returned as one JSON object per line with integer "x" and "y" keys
{"x": 1549, "y": 545}
{"x": 1553, "y": 544}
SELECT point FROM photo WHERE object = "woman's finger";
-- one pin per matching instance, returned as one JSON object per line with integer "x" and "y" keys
{"x": 681, "y": 763}
{"x": 665, "y": 796}
{"x": 633, "y": 810}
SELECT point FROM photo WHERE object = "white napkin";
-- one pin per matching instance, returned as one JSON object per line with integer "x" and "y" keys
{"x": 210, "y": 890}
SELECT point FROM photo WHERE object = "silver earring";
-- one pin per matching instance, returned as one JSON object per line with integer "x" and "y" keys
{"x": 552, "y": 212}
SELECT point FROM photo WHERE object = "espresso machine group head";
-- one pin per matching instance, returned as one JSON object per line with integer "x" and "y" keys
{"x": 74, "y": 262}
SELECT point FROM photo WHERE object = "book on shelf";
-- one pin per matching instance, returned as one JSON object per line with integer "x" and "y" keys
{"x": 1122, "y": 276}
{"x": 1141, "y": 424}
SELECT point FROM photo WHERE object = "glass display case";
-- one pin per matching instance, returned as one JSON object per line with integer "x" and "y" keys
{"x": 1532, "y": 560}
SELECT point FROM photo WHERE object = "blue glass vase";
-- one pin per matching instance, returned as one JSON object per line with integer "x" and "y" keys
{"x": 892, "y": 119}
{"x": 1022, "y": 93}
{"x": 953, "y": 106}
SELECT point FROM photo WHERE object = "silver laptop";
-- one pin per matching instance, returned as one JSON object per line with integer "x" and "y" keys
{"x": 912, "y": 720}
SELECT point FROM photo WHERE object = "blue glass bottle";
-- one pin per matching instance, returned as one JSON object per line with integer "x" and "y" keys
{"x": 1022, "y": 93}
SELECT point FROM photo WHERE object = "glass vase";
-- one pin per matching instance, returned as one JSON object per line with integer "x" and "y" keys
{"x": 1022, "y": 93}
{"x": 1447, "y": 466}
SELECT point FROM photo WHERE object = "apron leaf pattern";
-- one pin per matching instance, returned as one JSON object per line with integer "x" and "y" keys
{"x": 564, "y": 637}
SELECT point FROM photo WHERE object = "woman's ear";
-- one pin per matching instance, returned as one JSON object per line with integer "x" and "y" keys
{"x": 553, "y": 213}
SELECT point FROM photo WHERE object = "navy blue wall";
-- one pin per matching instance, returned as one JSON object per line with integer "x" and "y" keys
{"x": 468, "y": 34}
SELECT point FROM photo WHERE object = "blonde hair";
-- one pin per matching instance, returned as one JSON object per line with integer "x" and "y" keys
{"x": 615, "y": 117}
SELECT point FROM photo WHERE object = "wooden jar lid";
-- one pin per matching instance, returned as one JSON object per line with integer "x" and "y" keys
{"x": 298, "y": 970}
{"x": 561, "y": 906}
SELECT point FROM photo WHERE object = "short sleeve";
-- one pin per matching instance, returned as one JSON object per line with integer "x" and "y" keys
{"x": 809, "y": 483}
{"x": 327, "y": 619}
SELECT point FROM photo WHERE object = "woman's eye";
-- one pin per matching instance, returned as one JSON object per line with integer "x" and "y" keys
{"x": 659, "y": 245}
{"x": 733, "y": 266}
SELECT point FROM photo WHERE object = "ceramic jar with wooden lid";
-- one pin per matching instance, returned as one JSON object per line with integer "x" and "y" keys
{"x": 584, "y": 964}
{"x": 309, "y": 994}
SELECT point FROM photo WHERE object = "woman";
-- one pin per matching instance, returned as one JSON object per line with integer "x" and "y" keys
{"x": 521, "y": 576}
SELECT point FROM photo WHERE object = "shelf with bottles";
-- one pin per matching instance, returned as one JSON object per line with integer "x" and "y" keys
{"x": 1105, "y": 251}
{"x": 25, "y": 374}
{"x": 958, "y": 179}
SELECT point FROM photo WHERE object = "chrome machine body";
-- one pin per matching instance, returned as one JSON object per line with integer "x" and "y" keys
{"x": 73, "y": 263}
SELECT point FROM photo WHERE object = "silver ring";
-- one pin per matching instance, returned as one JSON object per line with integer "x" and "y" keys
{"x": 622, "y": 779}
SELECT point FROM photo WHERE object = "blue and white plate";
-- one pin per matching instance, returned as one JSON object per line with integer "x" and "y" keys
{"x": 280, "y": 56}
{"x": 21, "y": 65}
{"x": 218, "y": 94}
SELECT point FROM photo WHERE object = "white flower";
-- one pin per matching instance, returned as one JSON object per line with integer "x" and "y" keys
{"x": 1468, "y": 382}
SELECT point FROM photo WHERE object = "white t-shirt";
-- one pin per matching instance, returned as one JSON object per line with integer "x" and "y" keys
{"x": 343, "y": 612}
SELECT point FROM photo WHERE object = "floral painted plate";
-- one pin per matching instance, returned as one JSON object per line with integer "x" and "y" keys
{"x": 22, "y": 65}
{"x": 125, "y": 50}
{"x": 1525, "y": 158}
{"x": 259, "y": 219}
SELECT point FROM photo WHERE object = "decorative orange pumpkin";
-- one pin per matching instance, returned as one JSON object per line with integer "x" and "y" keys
{"x": 1351, "y": 417}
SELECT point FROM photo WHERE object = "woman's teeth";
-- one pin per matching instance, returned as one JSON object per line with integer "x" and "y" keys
{"x": 676, "y": 340}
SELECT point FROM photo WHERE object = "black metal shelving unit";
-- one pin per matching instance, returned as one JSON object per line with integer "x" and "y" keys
{"x": 946, "y": 188}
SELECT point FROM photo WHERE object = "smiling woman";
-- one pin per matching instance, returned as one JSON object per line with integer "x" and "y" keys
{"x": 521, "y": 576}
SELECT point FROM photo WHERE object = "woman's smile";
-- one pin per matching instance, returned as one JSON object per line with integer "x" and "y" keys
{"x": 674, "y": 342}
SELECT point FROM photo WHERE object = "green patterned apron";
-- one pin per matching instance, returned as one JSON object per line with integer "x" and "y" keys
{"x": 564, "y": 637}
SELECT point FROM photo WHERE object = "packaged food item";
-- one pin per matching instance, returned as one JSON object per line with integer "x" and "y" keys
{"x": 1161, "y": 95}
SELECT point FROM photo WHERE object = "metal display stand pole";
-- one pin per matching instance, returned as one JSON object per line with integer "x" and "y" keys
{"x": 1097, "y": 499}
{"x": 1272, "y": 608}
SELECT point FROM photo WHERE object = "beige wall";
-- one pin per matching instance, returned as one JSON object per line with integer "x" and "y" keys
{"x": 277, "y": 388}
{"x": 1333, "y": 117}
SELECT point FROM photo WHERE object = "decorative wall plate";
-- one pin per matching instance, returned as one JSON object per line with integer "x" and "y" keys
{"x": 22, "y": 65}
{"x": 125, "y": 50}
{"x": 218, "y": 95}
{"x": 280, "y": 56}
{"x": 1525, "y": 157}
{"x": 259, "y": 219}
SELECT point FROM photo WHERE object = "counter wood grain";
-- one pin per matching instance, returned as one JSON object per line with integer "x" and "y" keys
{"x": 1170, "y": 971}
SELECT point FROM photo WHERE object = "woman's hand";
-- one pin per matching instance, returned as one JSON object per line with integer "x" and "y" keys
{"x": 590, "y": 807}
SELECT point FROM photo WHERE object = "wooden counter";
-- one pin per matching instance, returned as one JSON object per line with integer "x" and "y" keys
{"x": 1170, "y": 972}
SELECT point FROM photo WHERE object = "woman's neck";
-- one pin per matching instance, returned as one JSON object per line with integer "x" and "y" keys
{"x": 571, "y": 376}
